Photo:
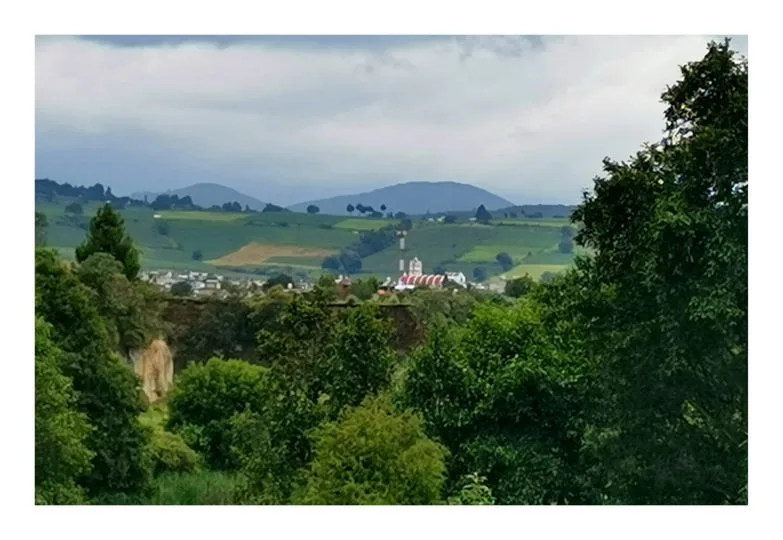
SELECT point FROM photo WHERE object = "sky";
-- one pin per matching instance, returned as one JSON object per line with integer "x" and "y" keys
{"x": 288, "y": 119}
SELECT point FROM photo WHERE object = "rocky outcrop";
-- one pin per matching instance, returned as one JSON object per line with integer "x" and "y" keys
{"x": 155, "y": 367}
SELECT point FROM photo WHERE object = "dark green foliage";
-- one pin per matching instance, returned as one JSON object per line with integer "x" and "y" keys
{"x": 350, "y": 261}
{"x": 279, "y": 279}
{"x": 107, "y": 235}
{"x": 331, "y": 262}
{"x": 479, "y": 274}
{"x": 505, "y": 404}
{"x": 197, "y": 255}
{"x": 74, "y": 208}
{"x": 566, "y": 245}
{"x": 473, "y": 492}
{"x": 483, "y": 215}
{"x": 670, "y": 231}
{"x": 505, "y": 261}
{"x": 439, "y": 270}
{"x": 181, "y": 288}
{"x": 61, "y": 453}
{"x": 224, "y": 328}
{"x": 374, "y": 455}
{"x": 130, "y": 310}
{"x": 365, "y": 289}
{"x": 105, "y": 385}
{"x": 162, "y": 227}
{"x": 350, "y": 208}
{"x": 520, "y": 286}
{"x": 313, "y": 209}
{"x": 168, "y": 450}
{"x": 205, "y": 398}
{"x": 41, "y": 224}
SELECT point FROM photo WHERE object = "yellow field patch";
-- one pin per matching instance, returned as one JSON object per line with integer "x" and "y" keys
{"x": 256, "y": 254}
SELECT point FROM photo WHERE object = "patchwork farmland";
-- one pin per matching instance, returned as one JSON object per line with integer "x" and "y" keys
{"x": 297, "y": 243}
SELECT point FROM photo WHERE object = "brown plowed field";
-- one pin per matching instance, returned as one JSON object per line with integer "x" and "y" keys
{"x": 256, "y": 254}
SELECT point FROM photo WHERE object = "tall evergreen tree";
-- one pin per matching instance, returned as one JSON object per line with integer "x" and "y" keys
{"x": 107, "y": 234}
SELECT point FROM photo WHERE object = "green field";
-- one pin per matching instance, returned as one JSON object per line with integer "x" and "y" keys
{"x": 197, "y": 215}
{"x": 360, "y": 224}
{"x": 298, "y": 242}
{"x": 534, "y": 270}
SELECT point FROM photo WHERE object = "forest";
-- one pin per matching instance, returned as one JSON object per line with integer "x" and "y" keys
{"x": 622, "y": 381}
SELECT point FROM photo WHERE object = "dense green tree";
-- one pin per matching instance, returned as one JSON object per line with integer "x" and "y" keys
{"x": 669, "y": 228}
{"x": 181, "y": 288}
{"x": 107, "y": 235}
{"x": 61, "y": 454}
{"x": 331, "y": 262}
{"x": 505, "y": 261}
{"x": 505, "y": 402}
{"x": 163, "y": 227}
{"x": 313, "y": 209}
{"x": 350, "y": 208}
{"x": 197, "y": 255}
{"x": 374, "y": 455}
{"x": 483, "y": 215}
{"x": 74, "y": 208}
{"x": 206, "y": 398}
{"x": 130, "y": 310}
{"x": 520, "y": 286}
{"x": 479, "y": 274}
{"x": 566, "y": 245}
{"x": 350, "y": 261}
{"x": 106, "y": 387}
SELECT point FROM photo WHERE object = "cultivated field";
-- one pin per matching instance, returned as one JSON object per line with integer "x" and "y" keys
{"x": 297, "y": 243}
{"x": 257, "y": 254}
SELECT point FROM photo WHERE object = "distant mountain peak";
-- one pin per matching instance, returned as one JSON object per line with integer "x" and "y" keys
{"x": 414, "y": 198}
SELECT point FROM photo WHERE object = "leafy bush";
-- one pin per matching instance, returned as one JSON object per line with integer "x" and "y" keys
{"x": 205, "y": 398}
{"x": 168, "y": 450}
{"x": 374, "y": 455}
{"x": 61, "y": 453}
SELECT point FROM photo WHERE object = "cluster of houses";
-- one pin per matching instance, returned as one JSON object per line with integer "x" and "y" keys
{"x": 201, "y": 283}
{"x": 207, "y": 284}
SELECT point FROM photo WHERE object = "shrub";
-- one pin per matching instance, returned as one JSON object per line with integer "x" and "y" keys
{"x": 168, "y": 451}
{"x": 374, "y": 455}
{"x": 205, "y": 398}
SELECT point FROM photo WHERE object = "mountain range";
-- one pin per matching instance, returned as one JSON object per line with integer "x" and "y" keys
{"x": 413, "y": 198}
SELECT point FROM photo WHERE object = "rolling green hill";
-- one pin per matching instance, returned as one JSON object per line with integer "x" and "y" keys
{"x": 297, "y": 243}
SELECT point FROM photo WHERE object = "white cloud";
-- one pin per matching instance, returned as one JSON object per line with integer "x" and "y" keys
{"x": 513, "y": 117}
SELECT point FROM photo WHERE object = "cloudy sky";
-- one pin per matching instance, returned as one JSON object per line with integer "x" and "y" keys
{"x": 288, "y": 119}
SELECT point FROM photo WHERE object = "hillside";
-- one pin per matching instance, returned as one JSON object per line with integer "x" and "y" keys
{"x": 209, "y": 194}
{"x": 298, "y": 243}
{"x": 413, "y": 198}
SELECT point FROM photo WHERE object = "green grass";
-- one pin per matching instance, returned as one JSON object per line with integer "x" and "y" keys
{"x": 363, "y": 224}
{"x": 199, "y": 215}
{"x": 488, "y": 252}
{"x": 549, "y": 258}
{"x": 551, "y": 223}
{"x": 206, "y": 488}
{"x": 534, "y": 270}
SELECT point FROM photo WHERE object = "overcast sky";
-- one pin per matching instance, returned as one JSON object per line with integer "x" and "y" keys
{"x": 288, "y": 119}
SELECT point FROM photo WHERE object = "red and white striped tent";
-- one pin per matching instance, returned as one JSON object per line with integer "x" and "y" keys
{"x": 422, "y": 280}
